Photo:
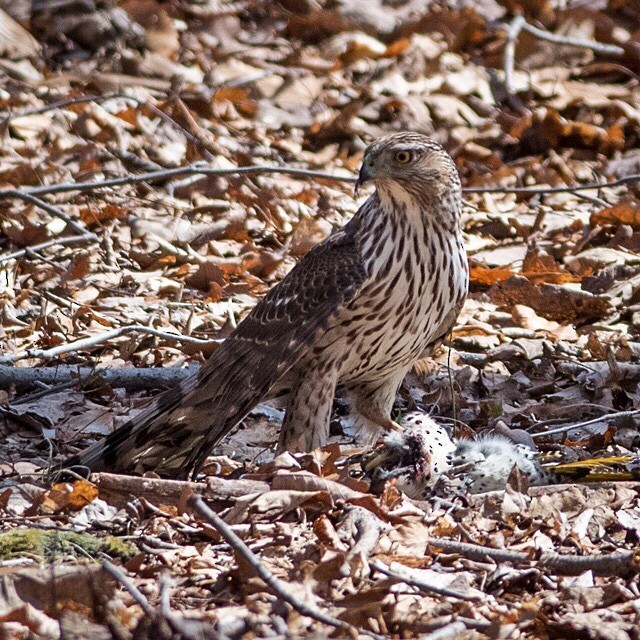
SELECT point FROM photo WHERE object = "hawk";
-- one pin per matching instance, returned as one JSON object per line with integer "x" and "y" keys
{"x": 356, "y": 313}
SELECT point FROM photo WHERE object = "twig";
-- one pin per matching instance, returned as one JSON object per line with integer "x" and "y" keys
{"x": 131, "y": 378}
{"x": 118, "y": 490}
{"x": 450, "y": 631}
{"x": 85, "y": 343}
{"x": 103, "y": 98}
{"x": 519, "y": 24}
{"x": 597, "y": 47}
{"x": 203, "y": 169}
{"x": 28, "y": 196}
{"x": 272, "y": 582}
{"x": 163, "y": 174}
{"x": 64, "y": 241}
{"x": 606, "y": 564}
{"x": 421, "y": 584}
{"x": 127, "y": 583}
{"x": 509, "y": 52}
{"x": 586, "y": 423}
{"x": 547, "y": 190}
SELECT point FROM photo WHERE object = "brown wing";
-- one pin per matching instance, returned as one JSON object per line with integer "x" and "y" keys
{"x": 180, "y": 428}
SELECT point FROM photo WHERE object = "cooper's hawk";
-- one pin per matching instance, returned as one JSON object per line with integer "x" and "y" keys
{"x": 356, "y": 312}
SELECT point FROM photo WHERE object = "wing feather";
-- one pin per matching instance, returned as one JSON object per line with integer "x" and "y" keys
{"x": 182, "y": 425}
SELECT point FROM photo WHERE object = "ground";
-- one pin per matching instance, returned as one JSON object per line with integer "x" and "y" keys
{"x": 121, "y": 263}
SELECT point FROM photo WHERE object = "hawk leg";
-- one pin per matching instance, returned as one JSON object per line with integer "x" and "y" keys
{"x": 308, "y": 411}
{"x": 373, "y": 403}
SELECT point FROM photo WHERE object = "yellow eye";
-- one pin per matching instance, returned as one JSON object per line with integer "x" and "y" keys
{"x": 403, "y": 157}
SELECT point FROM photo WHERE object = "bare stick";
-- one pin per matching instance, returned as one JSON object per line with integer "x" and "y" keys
{"x": 586, "y": 423}
{"x": 519, "y": 24}
{"x": 131, "y": 378}
{"x": 619, "y": 562}
{"x": 119, "y": 489}
{"x": 63, "y": 241}
{"x": 86, "y": 343}
{"x": 272, "y": 582}
{"x": 547, "y": 190}
{"x": 509, "y": 52}
{"x": 27, "y": 196}
{"x": 203, "y": 169}
{"x": 597, "y": 47}
{"x": 421, "y": 584}
{"x": 127, "y": 583}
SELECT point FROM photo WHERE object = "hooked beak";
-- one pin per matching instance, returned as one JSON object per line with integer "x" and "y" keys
{"x": 364, "y": 176}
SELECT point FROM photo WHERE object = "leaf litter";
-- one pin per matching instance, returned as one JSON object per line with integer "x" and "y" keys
{"x": 548, "y": 339}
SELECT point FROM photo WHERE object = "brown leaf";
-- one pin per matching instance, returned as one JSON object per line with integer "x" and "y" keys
{"x": 539, "y": 266}
{"x": 621, "y": 213}
{"x": 555, "y": 302}
{"x": 93, "y": 215}
{"x": 485, "y": 276}
{"x": 63, "y": 496}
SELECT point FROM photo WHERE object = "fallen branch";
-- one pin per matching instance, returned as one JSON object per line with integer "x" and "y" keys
{"x": 120, "y": 489}
{"x": 422, "y": 585}
{"x": 204, "y": 170}
{"x": 519, "y": 24}
{"x": 617, "y": 563}
{"x": 273, "y": 583}
{"x": 597, "y": 47}
{"x": 130, "y": 378}
{"x": 586, "y": 423}
{"x": 28, "y": 196}
{"x": 127, "y": 583}
{"x": 93, "y": 341}
{"x": 83, "y": 238}
{"x": 510, "y": 51}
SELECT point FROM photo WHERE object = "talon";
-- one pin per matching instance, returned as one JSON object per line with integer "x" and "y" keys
{"x": 393, "y": 426}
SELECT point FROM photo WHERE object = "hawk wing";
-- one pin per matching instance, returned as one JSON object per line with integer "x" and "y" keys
{"x": 179, "y": 429}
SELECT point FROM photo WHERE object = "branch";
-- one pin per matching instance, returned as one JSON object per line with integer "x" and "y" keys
{"x": 596, "y": 47}
{"x": 273, "y": 583}
{"x": 617, "y": 563}
{"x": 205, "y": 170}
{"x": 519, "y": 24}
{"x": 28, "y": 196}
{"x": 509, "y": 52}
{"x": 120, "y": 489}
{"x": 64, "y": 241}
{"x": 420, "y": 584}
{"x": 127, "y": 583}
{"x": 131, "y": 378}
{"x": 586, "y": 423}
{"x": 86, "y": 343}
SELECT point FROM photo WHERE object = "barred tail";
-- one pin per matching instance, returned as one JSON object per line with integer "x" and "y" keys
{"x": 172, "y": 436}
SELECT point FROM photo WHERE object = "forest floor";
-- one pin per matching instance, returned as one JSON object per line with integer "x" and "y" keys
{"x": 122, "y": 264}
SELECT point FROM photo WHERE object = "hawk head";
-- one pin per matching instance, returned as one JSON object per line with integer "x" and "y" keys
{"x": 409, "y": 165}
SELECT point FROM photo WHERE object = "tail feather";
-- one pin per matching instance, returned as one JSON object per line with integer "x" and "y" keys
{"x": 176, "y": 432}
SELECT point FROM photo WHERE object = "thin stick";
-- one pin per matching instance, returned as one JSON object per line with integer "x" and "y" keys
{"x": 586, "y": 423}
{"x": 64, "y": 241}
{"x": 421, "y": 584}
{"x": 85, "y": 343}
{"x": 510, "y": 51}
{"x": 547, "y": 190}
{"x": 519, "y": 24}
{"x": 203, "y": 169}
{"x": 127, "y": 583}
{"x": 273, "y": 583}
{"x": 130, "y": 378}
{"x": 597, "y": 47}
{"x": 605, "y": 564}
{"x": 28, "y": 196}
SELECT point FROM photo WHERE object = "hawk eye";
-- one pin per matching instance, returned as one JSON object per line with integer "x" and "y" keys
{"x": 403, "y": 157}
